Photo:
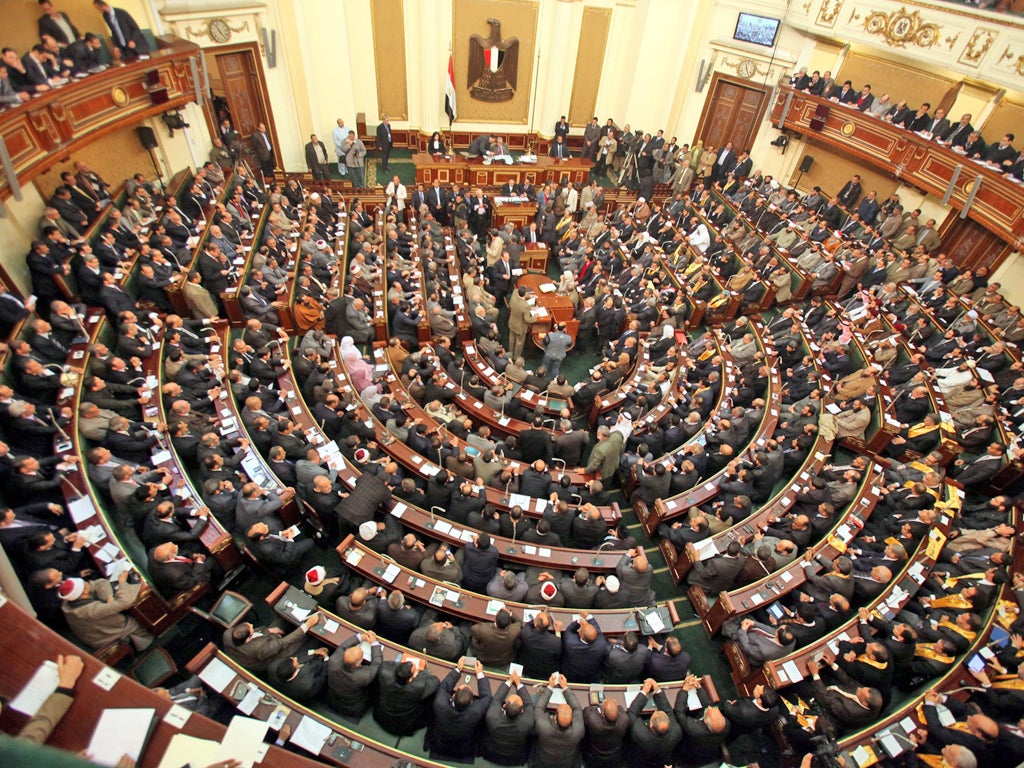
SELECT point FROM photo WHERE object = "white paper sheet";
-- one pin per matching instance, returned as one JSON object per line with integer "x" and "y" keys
{"x": 242, "y": 740}
{"x": 217, "y": 675}
{"x": 311, "y": 735}
{"x": 188, "y": 750}
{"x": 37, "y": 690}
{"x": 120, "y": 732}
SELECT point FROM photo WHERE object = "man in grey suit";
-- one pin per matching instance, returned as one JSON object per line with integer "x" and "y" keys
{"x": 761, "y": 642}
{"x": 349, "y": 680}
{"x": 558, "y": 735}
{"x": 556, "y": 347}
{"x": 256, "y": 648}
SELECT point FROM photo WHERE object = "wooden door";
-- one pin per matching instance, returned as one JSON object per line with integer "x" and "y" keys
{"x": 970, "y": 245}
{"x": 732, "y": 112}
{"x": 241, "y": 90}
{"x": 237, "y": 80}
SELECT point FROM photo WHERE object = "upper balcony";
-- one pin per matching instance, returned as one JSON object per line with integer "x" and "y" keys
{"x": 48, "y": 128}
{"x": 985, "y": 45}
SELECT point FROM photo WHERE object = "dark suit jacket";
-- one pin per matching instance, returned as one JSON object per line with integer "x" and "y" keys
{"x": 130, "y": 30}
{"x": 648, "y": 749}
{"x": 451, "y": 735}
{"x": 384, "y": 139}
{"x": 399, "y": 709}
{"x": 173, "y": 577}
{"x": 603, "y": 745}
{"x": 308, "y": 682}
{"x": 350, "y": 691}
{"x": 48, "y": 26}
{"x": 539, "y": 652}
{"x": 508, "y": 741}
{"x": 582, "y": 663}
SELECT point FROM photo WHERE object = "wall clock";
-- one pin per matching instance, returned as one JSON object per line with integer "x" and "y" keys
{"x": 220, "y": 32}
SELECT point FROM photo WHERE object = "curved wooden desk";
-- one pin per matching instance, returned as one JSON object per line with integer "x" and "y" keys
{"x": 554, "y": 307}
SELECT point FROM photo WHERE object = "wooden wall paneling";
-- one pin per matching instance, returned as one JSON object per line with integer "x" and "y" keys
{"x": 388, "y": 22}
{"x": 1007, "y": 117}
{"x": 586, "y": 80}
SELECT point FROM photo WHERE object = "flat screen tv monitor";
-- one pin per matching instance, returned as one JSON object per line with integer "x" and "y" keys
{"x": 760, "y": 30}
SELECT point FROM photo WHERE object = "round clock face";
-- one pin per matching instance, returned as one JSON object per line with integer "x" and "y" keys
{"x": 220, "y": 32}
{"x": 746, "y": 68}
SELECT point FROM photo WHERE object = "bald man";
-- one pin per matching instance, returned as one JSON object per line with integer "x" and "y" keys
{"x": 559, "y": 734}
{"x": 634, "y": 572}
{"x": 652, "y": 742}
{"x": 704, "y": 729}
{"x": 350, "y": 682}
{"x": 510, "y": 723}
{"x": 606, "y": 727}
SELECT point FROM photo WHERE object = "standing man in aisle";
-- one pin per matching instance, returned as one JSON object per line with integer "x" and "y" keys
{"x": 338, "y": 135}
{"x": 316, "y": 159}
{"x": 355, "y": 159}
{"x": 384, "y": 142}
{"x": 264, "y": 149}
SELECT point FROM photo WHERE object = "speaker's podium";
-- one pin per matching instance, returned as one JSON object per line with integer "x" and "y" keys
{"x": 519, "y": 211}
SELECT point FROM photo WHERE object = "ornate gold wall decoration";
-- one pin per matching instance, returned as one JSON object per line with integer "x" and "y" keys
{"x": 1008, "y": 55}
{"x": 828, "y": 12}
{"x": 847, "y": 129}
{"x": 746, "y": 68}
{"x": 951, "y": 41}
{"x": 807, "y": 6}
{"x": 978, "y": 46}
{"x": 902, "y": 28}
{"x": 218, "y": 30}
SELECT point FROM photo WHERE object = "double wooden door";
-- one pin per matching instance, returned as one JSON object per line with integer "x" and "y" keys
{"x": 732, "y": 112}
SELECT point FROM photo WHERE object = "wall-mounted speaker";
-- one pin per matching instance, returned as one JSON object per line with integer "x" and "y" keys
{"x": 147, "y": 137}
{"x": 806, "y": 163}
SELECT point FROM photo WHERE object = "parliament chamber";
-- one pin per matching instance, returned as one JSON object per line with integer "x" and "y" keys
{"x": 511, "y": 382}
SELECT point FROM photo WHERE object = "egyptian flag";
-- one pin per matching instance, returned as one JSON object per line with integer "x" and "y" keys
{"x": 449, "y": 92}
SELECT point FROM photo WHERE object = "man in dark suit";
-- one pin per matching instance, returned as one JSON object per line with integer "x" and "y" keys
{"x": 669, "y": 662}
{"x": 303, "y": 682}
{"x": 626, "y": 660}
{"x": 384, "y": 142}
{"x": 350, "y": 675}
{"x": 56, "y": 24}
{"x": 847, "y": 707}
{"x": 437, "y": 199}
{"x": 172, "y": 573}
{"x": 652, "y": 743}
{"x": 264, "y": 150}
{"x": 403, "y": 692}
{"x": 127, "y": 38}
{"x": 509, "y": 724}
{"x": 718, "y": 573}
{"x": 584, "y": 648}
{"x": 279, "y": 551}
{"x": 704, "y": 730}
{"x": 457, "y": 713}
{"x": 848, "y": 195}
{"x": 540, "y": 649}
{"x": 606, "y": 727}
{"x": 753, "y": 713}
